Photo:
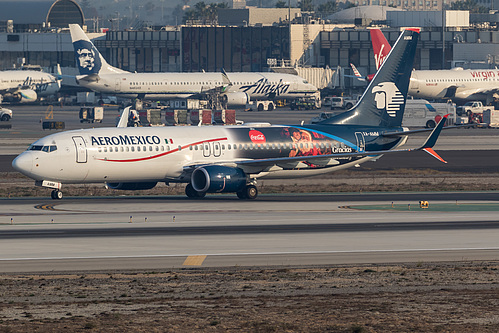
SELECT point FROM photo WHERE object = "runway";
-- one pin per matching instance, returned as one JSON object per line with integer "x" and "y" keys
{"x": 168, "y": 232}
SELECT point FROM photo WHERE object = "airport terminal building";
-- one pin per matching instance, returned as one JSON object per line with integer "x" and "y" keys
{"x": 250, "y": 46}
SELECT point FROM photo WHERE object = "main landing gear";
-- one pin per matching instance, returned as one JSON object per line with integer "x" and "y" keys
{"x": 249, "y": 192}
{"x": 192, "y": 193}
{"x": 56, "y": 195}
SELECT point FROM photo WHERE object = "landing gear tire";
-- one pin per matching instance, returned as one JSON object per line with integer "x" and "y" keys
{"x": 192, "y": 193}
{"x": 249, "y": 192}
{"x": 56, "y": 195}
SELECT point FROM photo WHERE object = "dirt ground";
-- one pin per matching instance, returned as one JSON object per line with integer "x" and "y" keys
{"x": 420, "y": 297}
{"x": 13, "y": 184}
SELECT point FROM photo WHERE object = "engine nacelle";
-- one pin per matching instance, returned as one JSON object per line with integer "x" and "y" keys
{"x": 236, "y": 98}
{"x": 25, "y": 96}
{"x": 218, "y": 179}
{"x": 132, "y": 186}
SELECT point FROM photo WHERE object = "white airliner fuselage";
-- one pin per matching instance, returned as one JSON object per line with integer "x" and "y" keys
{"x": 183, "y": 85}
{"x": 27, "y": 85}
{"x": 456, "y": 84}
{"x": 109, "y": 155}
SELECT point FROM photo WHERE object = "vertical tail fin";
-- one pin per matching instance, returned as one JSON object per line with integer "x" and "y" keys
{"x": 88, "y": 58}
{"x": 381, "y": 47}
{"x": 383, "y": 102}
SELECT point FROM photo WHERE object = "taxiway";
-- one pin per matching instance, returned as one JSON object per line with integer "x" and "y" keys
{"x": 168, "y": 232}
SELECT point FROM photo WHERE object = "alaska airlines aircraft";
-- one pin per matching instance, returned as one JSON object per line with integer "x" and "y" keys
{"x": 232, "y": 158}
{"x": 455, "y": 84}
{"x": 25, "y": 86}
{"x": 96, "y": 74}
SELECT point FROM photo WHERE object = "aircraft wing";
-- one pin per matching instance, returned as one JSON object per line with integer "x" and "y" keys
{"x": 268, "y": 164}
{"x": 478, "y": 91}
{"x": 88, "y": 78}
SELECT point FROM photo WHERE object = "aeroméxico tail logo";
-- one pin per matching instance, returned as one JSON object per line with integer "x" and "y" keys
{"x": 388, "y": 97}
{"x": 87, "y": 57}
{"x": 263, "y": 87}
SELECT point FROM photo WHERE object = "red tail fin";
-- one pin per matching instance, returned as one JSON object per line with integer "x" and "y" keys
{"x": 381, "y": 47}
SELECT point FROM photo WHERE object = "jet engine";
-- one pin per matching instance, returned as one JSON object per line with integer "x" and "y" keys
{"x": 236, "y": 98}
{"x": 132, "y": 186}
{"x": 25, "y": 96}
{"x": 218, "y": 179}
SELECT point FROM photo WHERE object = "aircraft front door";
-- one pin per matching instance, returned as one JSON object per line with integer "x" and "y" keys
{"x": 361, "y": 143}
{"x": 81, "y": 149}
{"x": 217, "y": 151}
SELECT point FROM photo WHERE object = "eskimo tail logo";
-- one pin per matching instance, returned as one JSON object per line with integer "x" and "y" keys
{"x": 87, "y": 57}
{"x": 388, "y": 97}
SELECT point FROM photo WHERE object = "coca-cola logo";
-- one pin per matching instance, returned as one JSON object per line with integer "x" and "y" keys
{"x": 257, "y": 136}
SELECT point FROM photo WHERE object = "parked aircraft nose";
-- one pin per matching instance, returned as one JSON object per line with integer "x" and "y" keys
{"x": 23, "y": 163}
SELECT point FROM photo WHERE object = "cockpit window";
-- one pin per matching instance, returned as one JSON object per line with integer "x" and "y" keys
{"x": 305, "y": 81}
{"x": 46, "y": 149}
{"x": 35, "y": 147}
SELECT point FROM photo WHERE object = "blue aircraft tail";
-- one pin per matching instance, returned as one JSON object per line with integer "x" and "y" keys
{"x": 383, "y": 102}
{"x": 88, "y": 59}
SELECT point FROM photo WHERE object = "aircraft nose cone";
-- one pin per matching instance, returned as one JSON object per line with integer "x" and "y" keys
{"x": 23, "y": 163}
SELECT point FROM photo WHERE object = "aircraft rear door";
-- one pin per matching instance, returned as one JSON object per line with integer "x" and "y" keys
{"x": 117, "y": 85}
{"x": 361, "y": 143}
{"x": 81, "y": 149}
{"x": 207, "y": 149}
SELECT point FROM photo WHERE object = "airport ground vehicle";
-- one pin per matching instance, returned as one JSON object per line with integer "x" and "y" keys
{"x": 322, "y": 116}
{"x": 474, "y": 110}
{"x": 5, "y": 114}
{"x": 343, "y": 102}
{"x": 304, "y": 103}
{"x": 421, "y": 113}
{"x": 91, "y": 114}
{"x": 260, "y": 106}
{"x": 472, "y": 107}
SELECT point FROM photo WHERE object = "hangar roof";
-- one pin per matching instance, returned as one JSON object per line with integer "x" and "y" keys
{"x": 59, "y": 13}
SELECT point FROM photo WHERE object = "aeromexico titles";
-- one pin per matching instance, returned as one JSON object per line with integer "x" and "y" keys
{"x": 211, "y": 159}
{"x": 238, "y": 88}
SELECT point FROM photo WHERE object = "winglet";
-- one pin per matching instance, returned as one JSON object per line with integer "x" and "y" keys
{"x": 123, "y": 122}
{"x": 432, "y": 139}
{"x": 225, "y": 78}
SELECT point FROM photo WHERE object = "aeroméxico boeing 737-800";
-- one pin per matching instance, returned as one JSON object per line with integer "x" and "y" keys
{"x": 231, "y": 158}
{"x": 238, "y": 88}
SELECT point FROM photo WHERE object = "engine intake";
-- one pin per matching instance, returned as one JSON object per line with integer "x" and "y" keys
{"x": 218, "y": 179}
{"x": 236, "y": 98}
{"x": 132, "y": 186}
{"x": 26, "y": 96}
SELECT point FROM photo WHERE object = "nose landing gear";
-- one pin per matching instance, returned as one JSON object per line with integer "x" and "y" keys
{"x": 56, "y": 195}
